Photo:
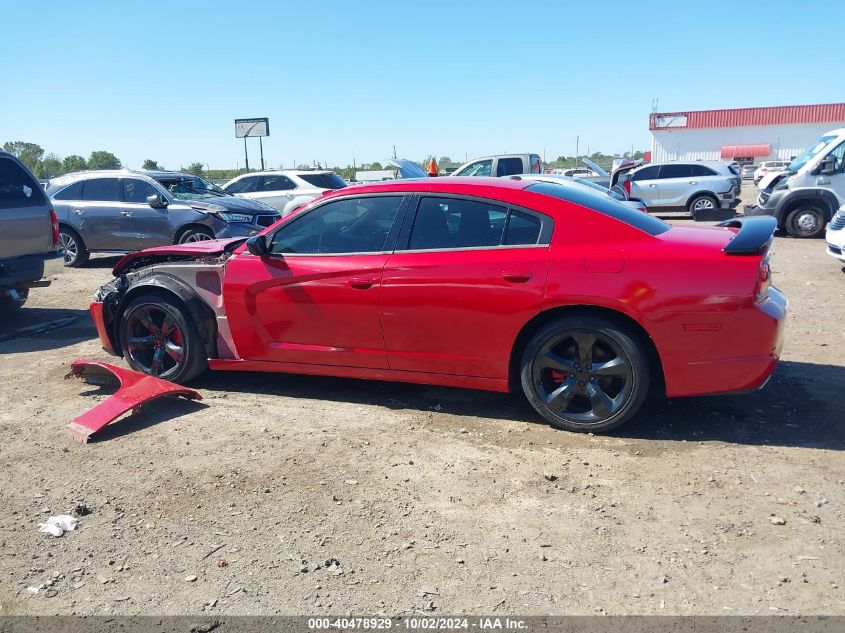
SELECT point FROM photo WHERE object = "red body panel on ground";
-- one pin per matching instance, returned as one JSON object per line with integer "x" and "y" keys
{"x": 135, "y": 390}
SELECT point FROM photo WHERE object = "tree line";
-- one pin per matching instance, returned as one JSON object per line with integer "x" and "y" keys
{"x": 46, "y": 166}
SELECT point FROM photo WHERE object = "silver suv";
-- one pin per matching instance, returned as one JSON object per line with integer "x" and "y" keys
{"x": 29, "y": 235}
{"x": 120, "y": 211}
{"x": 693, "y": 187}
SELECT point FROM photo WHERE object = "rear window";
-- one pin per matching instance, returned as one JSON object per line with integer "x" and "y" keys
{"x": 71, "y": 192}
{"x": 18, "y": 188}
{"x": 604, "y": 205}
{"x": 701, "y": 170}
{"x": 324, "y": 181}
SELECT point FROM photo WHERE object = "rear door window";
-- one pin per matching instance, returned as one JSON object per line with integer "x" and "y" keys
{"x": 324, "y": 181}
{"x": 244, "y": 185}
{"x": 277, "y": 183}
{"x": 701, "y": 170}
{"x": 18, "y": 188}
{"x": 646, "y": 173}
{"x": 522, "y": 229}
{"x": 509, "y": 167}
{"x": 675, "y": 171}
{"x": 453, "y": 223}
{"x": 102, "y": 190}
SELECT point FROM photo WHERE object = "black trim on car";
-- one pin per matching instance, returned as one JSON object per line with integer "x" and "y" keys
{"x": 604, "y": 205}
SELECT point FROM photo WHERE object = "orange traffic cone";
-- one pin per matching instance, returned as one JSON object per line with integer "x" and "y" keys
{"x": 432, "y": 168}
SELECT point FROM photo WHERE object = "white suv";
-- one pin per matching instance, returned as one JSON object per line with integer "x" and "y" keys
{"x": 693, "y": 187}
{"x": 767, "y": 167}
{"x": 285, "y": 189}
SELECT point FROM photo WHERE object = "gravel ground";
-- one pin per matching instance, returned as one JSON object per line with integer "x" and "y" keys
{"x": 292, "y": 494}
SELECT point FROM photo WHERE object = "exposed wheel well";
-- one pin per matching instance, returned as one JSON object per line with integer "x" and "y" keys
{"x": 65, "y": 225}
{"x": 197, "y": 310}
{"x": 190, "y": 227}
{"x": 551, "y": 314}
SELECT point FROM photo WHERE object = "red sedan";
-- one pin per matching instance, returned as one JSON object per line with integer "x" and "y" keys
{"x": 495, "y": 284}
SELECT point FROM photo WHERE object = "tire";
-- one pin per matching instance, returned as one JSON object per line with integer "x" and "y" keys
{"x": 9, "y": 305}
{"x": 158, "y": 337}
{"x": 72, "y": 247}
{"x": 195, "y": 234}
{"x": 585, "y": 401}
{"x": 806, "y": 220}
{"x": 702, "y": 203}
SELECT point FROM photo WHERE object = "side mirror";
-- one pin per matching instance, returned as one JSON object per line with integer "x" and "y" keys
{"x": 257, "y": 245}
{"x": 828, "y": 166}
{"x": 157, "y": 201}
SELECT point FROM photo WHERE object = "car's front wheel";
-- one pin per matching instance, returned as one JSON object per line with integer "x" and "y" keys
{"x": 808, "y": 220}
{"x": 159, "y": 337}
{"x": 585, "y": 373}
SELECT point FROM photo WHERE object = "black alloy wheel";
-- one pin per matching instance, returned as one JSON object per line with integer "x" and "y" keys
{"x": 585, "y": 374}
{"x": 159, "y": 338}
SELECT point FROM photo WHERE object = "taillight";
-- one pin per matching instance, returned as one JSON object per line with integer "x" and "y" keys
{"x": 643, "y": 208}
{"x": 764, "y": 280}
{"x": 55, "y": 225}
{"x": 627, "y": 186}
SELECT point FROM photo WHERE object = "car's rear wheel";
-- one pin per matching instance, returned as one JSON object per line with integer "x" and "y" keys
{"x": 195, "y": 235}
{"x": 159, "y": 337}
{"x": 10, "y": 304}
{"x": 807, "y": 220}
{"x": 702, "y": 204}
{"x": 72, "y": 248}
{"x": 586, "y": 374}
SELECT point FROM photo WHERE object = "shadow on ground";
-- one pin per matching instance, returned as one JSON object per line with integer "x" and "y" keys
{"x": 797, "y": 408}
{"x": 16, "y": 329}
{"x": 154, "y": 412}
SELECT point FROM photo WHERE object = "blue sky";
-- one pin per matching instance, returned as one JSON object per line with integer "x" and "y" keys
{"x": 164, "y": 80}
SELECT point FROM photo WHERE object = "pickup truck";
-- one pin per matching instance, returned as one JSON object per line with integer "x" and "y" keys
{"x": 29, "y": 235}
{"x": 501, "y": 165}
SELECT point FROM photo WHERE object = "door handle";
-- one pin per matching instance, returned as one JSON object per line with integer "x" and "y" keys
{"x": 78, "y": 211}
{"x": 693, "y": 182}
{"x": 652, "y": 186}
{"x": 516, "y": 276}
{"x": 362, "y": 283}
{"x": 126, "y": 213}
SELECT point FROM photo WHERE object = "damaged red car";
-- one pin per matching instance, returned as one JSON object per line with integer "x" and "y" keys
{"x": 497, "y": 284}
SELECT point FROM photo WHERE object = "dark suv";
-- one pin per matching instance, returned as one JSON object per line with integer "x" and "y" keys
{"x": 29, "y": 234}
{"x": 120, "y": 211}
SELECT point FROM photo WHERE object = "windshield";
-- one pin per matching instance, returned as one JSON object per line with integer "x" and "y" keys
{"x": 812, "y": 151}
{"x": 324, "y": 181}
{"x": 193, "y": 188}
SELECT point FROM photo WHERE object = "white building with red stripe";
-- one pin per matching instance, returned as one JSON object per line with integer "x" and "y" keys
{"x": 745, "y": 134}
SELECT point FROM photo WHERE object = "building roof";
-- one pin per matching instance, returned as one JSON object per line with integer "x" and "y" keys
{"x": 778, "y": 115}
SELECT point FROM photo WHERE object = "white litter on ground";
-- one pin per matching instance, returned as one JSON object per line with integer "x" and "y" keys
{"x": 57, "y": 526}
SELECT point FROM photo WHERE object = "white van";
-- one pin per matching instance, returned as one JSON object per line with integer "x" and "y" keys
{"x": 805, "y": 197}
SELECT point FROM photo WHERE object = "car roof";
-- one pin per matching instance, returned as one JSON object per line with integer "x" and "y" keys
{"x": 285, "y": 172}
{"x": 161, "y": 173}
{"x": 445, "y": 184}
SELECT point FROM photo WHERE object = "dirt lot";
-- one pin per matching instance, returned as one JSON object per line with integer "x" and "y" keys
{"x": 429, "y": 498}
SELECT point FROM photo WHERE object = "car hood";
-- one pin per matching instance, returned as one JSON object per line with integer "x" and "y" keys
{"x": 206, "y": 248}
{"x": 407, "y": 168}
{"x": 223, "y": 204}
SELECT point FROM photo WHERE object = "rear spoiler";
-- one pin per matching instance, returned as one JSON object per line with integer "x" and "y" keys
{"x": 755, "y": 234}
